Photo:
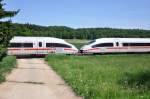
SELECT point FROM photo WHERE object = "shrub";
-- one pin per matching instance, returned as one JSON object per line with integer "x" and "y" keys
{"x": 6, "y": 65}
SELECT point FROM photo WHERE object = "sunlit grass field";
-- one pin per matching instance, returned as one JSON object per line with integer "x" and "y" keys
{"x": 118, "y": 76}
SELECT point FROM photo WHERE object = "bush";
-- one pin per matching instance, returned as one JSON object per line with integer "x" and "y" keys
{"x": 2, "y": 53}
{"x": 6, "y": 65}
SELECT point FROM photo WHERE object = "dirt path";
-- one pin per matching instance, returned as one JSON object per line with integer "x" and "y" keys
{"x": 33, "y": 79}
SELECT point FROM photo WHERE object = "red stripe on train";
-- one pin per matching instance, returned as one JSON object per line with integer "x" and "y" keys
{"x": 69, "y": 49}
{"x": 94, "y": 49}
{"x": 140, "y": 47}
{"x": 118, "y": 48}
{"x": 129, "y": 47}
{"x": 31, "y": 48}
{"x": 14, "y": 49}
{"x": 40, "y": 49}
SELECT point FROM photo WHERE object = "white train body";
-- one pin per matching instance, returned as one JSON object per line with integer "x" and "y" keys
{"x": 116, "y": 45}
{"x": 39, "y": 46}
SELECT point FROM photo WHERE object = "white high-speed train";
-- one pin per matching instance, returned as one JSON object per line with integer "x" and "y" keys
{"x": 116, "y": 45}
{"x": 39, "y": 46}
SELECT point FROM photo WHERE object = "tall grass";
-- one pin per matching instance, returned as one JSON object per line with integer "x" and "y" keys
{"x": 6, "y": 65}
{"x": 125, "y": 76}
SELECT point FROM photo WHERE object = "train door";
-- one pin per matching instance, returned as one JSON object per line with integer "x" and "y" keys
{"x": 117, "y": 46}
{"x": 40, "y": 49}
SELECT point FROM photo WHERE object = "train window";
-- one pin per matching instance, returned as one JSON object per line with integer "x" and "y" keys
{"x": 125, "y": 44}
{"x": 57, "y": 45}
{"x": 27, "y": 44}
{"x": 136, "y": 44}
{"x": 103, "y": 45}
{"x": 15, "y": 45}
{"x": 40, "y": 44}
{"x": 49, "y": 45}
{"x": 21, "y": 45}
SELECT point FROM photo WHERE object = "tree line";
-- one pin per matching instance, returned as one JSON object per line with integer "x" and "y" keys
{"x": 70, "y": 33}
{"x": 5, "y": 28}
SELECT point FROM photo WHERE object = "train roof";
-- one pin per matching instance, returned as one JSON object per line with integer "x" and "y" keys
{"x": 35, "y": 39}
{"x": 124, "y": 39}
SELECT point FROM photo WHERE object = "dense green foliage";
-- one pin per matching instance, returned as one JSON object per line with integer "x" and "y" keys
{"x": 6, "y": 65}
{"x": 124, "y": 76}
{"x": 5, "y": 28}
{"x": 70, "y": 33}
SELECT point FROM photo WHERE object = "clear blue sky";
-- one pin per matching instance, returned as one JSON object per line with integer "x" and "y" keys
{"x": 83, "y": 13}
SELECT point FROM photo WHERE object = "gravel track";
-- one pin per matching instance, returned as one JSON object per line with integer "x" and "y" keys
{"x": 34, "y": 79}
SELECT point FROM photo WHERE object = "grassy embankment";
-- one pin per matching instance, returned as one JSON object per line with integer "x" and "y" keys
{"x": 125, "y": 76}
{"x": 6, "y": 65}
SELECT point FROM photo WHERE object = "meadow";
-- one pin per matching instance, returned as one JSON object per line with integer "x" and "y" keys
{"x": 118, "y": 76}
{"x": 78, "y": 42}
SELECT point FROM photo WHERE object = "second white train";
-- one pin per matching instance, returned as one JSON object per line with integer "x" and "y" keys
{"x": 117, "y": 45}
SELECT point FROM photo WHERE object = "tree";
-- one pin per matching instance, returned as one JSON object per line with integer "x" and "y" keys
{"x": 5, "y": 27}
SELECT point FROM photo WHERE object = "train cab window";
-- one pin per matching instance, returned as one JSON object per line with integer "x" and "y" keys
{"x": 136, "y": 44}
{"x": 27, "y": 44}
{"x": 117, "y": 43}
{"x": 40, "y": 44}
{"x": 15, "y": 45}
{"x": 103, "y": 45}
{"x": 57, "y": 45}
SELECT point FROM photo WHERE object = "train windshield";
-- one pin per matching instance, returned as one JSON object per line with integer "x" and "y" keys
{"x": 57, "y": 45}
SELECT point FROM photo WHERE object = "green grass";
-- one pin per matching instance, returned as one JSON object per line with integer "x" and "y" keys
{"x": 123, "y": 76}
{"x": 77, "y": 42}
{"x": 6, "y": 65}
{"x": 78, "y": 45}
{"x": 2, "y": 52}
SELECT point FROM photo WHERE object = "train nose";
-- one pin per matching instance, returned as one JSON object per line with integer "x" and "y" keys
{"x": 83, "y": 49}
{"x": 75, "y": 48}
